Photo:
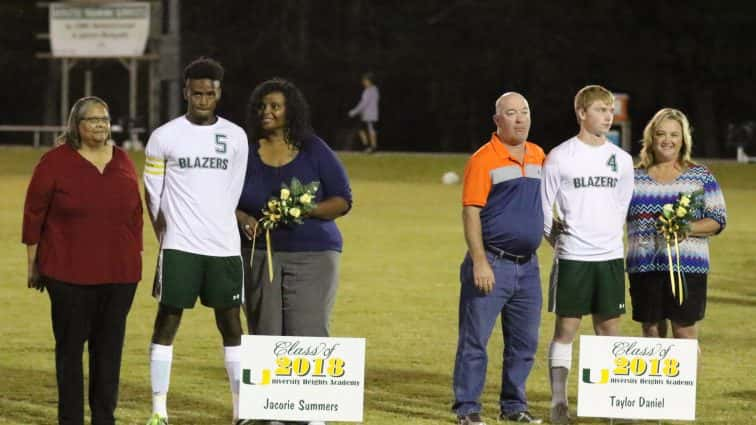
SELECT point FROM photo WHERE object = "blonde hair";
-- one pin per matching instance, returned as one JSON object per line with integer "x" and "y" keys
{"x": 647, "y": 151}
{"x": 589, "y": 94}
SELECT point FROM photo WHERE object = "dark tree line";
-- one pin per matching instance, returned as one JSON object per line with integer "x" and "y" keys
{"x": 441, "y": 64}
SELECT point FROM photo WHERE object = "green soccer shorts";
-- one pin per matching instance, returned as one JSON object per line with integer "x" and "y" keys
{"x": 588, "y": 287}
{"x": 181, "y": 277}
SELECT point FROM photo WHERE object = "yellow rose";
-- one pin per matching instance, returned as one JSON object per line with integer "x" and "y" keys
{"x": 681, "y": 212}
{"x": 684, "y": 201}
{"x": 294, "y": 212}
{"x": 285, "y": 194}
{"x": 668, "y": 210}
{"x": 272, "y": 204}
{"x": 305, "y": 199}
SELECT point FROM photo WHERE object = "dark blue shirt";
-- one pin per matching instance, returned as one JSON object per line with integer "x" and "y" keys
{"x": 314, "y": 162}
{"x": 508, "y": 193}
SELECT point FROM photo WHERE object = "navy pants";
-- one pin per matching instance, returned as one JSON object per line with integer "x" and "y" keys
{"x": 516, "y": 298}
{"x": 96, "y": 315}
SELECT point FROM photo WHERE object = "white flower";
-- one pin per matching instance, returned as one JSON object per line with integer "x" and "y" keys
{"x": 285, "y": 194}
{"x": 295, "y": 212}
{"x": 305, "y": 199}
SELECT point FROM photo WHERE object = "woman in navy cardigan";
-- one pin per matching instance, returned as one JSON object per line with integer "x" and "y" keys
{"x": 299, "y": 300}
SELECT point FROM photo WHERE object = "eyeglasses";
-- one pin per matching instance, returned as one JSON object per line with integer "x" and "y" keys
{"x": 96, "y": 120}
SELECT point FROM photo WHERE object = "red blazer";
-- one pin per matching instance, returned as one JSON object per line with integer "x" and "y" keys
{"x": 88, "y": 225}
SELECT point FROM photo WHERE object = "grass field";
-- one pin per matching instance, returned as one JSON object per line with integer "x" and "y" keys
{"x": 398, "y": 288}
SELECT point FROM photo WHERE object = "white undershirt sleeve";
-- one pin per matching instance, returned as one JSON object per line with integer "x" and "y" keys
{"x": 154, "y": 174}
{"x": 626, "y": 186}
{"x": 550, "y": 182}
{"x": 240, "y": 171}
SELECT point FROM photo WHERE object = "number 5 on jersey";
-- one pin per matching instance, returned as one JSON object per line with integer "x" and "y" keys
{"x": 220, "y": 143}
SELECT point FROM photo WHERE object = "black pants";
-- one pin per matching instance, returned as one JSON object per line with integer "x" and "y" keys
{"x": 95, "y": 314}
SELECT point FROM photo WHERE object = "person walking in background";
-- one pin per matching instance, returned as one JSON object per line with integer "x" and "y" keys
{"x": 589, "y": 181}
{"x": 503, "y": 221}
{"x": 193, "y": 175}
{"x": 83, "y": 231}
{"x": 367, "y": 109}
{"x": 664, "y": 171}
{"x": 299, "y": 300}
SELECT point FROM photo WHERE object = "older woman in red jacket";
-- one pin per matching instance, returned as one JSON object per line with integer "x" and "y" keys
{"x": 83, "y": 231}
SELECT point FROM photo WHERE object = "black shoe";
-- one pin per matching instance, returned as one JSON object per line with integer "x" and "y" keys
{"x": 471, "y": 419}
{"x": 523, "y": 417}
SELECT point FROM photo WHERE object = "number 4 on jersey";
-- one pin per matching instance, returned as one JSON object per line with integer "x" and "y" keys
{"x": 612, "y": 163}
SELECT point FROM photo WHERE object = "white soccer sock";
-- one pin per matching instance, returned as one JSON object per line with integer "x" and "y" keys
{"x": 560, "y": 355}
{"x": 232, "y": 356}
{"x": 560, "y": 360}
{"x": 161, "y": 357}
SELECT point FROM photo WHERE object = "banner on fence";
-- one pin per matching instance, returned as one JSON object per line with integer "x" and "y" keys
{"x": 99, "y": 30}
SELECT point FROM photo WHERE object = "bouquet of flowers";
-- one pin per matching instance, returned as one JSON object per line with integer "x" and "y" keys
{"x": 674, "y": 225}
{"x": 293, "y": 203}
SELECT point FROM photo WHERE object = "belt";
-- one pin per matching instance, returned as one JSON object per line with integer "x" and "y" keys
{"x": 500, "y": 253}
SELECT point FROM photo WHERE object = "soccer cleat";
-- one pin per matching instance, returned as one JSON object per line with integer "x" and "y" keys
{"x": 157, "y": 420}
{"x": 523, "y": 417}
{"x": 560, "y": 414}
{"x": 471, "y": 419}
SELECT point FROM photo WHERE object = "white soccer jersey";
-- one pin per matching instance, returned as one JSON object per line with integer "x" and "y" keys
{"x": 590, "y": 187}
{"x": 194, "y": 176}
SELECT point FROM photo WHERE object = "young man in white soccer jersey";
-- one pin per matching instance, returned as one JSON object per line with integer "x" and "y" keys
{"x": 588, "y": 181}
{"x": 193, "y": 176}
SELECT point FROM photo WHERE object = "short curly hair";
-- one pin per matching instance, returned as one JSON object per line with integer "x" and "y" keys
{"x": 204, "y": 68}
{"x": 298, "y": 126}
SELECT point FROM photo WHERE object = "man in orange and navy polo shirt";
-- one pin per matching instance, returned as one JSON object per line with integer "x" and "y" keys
{"x": 503, "y": 223}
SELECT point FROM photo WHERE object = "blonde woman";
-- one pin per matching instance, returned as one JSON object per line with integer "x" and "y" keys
{"x": 665, "y": 170}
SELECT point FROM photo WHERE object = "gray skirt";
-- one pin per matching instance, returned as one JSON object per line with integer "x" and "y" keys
{"x": 299, "y": 300}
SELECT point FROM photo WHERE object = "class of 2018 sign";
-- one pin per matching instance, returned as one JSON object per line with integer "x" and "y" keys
{"x": 637, "y": 378}
{"x": 290, "y": 378}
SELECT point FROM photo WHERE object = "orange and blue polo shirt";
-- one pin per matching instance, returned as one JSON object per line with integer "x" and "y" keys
{"x": 509, "y": 195}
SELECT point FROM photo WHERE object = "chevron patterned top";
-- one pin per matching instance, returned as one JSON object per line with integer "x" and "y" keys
{"x": 647, "y": 250}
